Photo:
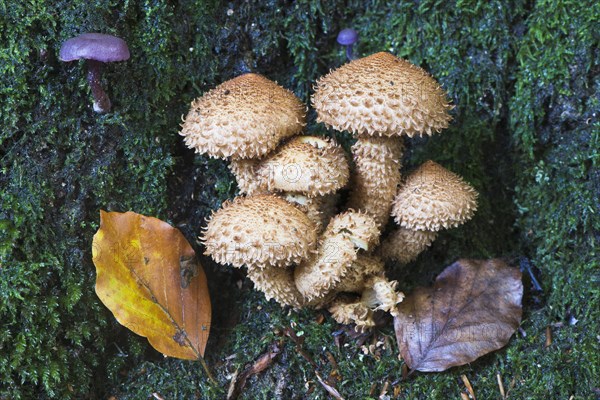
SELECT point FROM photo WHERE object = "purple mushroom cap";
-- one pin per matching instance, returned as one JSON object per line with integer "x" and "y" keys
{"x": 94, "y": 46}
{"x": 347, "y": 37}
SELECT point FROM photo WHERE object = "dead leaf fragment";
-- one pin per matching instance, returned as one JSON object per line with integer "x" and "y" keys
{"x": 263, "y": 362}
{"x": 473, "y": 308}
{"x": 329, "y": 388}
{"x": 138, "y": 263}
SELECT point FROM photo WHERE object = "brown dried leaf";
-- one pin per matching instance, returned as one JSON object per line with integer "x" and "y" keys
{"x": 263, "y": 362}
{"x": 473, "y": 308}
{"x": 148, "y": 277}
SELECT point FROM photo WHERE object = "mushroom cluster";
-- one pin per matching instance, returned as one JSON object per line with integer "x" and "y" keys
{"x": 300, "y": 246}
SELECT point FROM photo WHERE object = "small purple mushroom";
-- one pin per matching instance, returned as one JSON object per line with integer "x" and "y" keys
{"x": 96, "y": 49}
{"x": 347, "y": 37}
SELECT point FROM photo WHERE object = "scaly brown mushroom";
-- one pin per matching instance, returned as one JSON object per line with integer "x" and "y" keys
{"x": 307, "y": 170}
{"x": 350, "y": 310}
{"x": 243, "y": 119}
{"x": 259, "y": 231}
{"x": 379, "y": 294}
{"x": 432, "y": 198}
{"x": 380, "y": 95}
{"x": 367, "y": 278}
{"x": 309, "y": 165}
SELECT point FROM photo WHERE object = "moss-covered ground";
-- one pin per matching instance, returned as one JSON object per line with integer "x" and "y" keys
{"x": 525, "y": 79}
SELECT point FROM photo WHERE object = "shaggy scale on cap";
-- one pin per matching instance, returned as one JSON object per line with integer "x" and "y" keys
{"x": 376, "y": 176}
{"x": 244, "y": 171}
{"x": 276, "y": 283}
{"x": 363, "y": 268}
{"x": 404, "y": 245}
{"x": 378, "y": 294}
{"x": 307, "y": 164}
{"x": 433, "y": 198}
{"x": 345, "y": 235}
{"x": 346, "y": 310}
{"x": 381, "y": 294}
{"x": 259, "y": 231}
{"x": 245, "y": 117}
{"x": 381, "y": 95}
{"x": 319, "y": 209}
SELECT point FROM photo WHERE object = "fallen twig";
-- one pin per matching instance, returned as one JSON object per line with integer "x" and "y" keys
{"x": 468, "y": 386}
{"x": 501, "y": 385}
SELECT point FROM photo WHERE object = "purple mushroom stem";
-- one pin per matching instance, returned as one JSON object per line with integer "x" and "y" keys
{"x": 349, "y": 53}
{"x": 347, "y": 37}
{"x": 101, "y": 100}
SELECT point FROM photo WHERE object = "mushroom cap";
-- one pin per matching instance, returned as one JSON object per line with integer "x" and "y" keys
{"x": 433, "y": 198}
{"x": 381, "y": 95}
{"x": 94, "y": 46}
{"x": 306, "y": 164}
{"x": 356, "y": 226}
{"x": 260, "y": 230}
{"x": 245, "y": 117}
{"x": 347, "y": 37}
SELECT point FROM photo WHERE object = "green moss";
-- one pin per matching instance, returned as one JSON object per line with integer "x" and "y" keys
{"x": 61, "y": 164}
{"x": 525, "y": 83}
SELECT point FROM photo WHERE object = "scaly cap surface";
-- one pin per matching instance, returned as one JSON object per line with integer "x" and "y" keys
{"x": 259, "y": 231}
{"x": 381, "y": 95}
{"x": 307, "y": 164}
{"x": 433, "y": 198}
{"x": 244, "y": 117}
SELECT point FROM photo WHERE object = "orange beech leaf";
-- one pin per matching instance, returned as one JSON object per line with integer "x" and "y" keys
{"x": 148, "y": 277}
{"x": 473, "y": 308}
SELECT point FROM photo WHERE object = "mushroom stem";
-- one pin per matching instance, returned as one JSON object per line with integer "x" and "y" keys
{"x": 349, "y": 53}
{"x": 101, "y": 101}
{"x": 346, "y": 234}
{"x": 404, "y": 245}
{"x": 376, "y": 175}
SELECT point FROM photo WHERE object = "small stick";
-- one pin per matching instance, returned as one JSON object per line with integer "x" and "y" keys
{"x": 468, "y": 385}
{"x": 384, "y": 389}
{"x": 548, "y": 336}
{"x": 207, "y": 370}
{"x": 501, "y": 385}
